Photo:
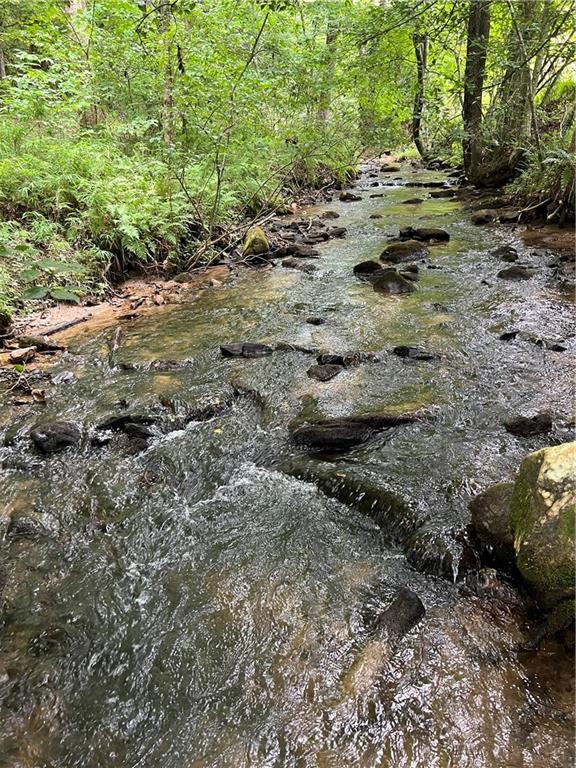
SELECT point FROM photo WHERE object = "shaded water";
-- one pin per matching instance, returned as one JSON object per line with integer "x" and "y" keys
{"x": 194, "y": 606}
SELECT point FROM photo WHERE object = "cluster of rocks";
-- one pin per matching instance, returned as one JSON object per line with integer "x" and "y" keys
{"x": 291, "y": 241}
{"x": 412, "y": 244}
{"x": 129, "y": 430}
{"x": 528, "y": 524}
{"x": 24, "y": 349}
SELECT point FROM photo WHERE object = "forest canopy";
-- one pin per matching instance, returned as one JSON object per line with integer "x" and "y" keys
{"x": 135, "y": 132}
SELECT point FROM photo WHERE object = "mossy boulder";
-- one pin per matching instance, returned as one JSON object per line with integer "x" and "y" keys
{"x": 542, "y": 513}
{"x": 255, "y": 243}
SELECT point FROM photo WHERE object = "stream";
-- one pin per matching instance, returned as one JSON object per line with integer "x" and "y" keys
{"x": 196, "y": 605}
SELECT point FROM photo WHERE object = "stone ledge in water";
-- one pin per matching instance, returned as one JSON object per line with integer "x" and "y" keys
{"x": 293, "y": 263}
{"x": 298, "y": 250}
{"x": 324, "y": 372}
{"x": 440, "y": 194}
{"x": 505, "y": 253}
{"x": 341, "y": 433}
{"x": 347, "y": 359}
{"x": 527, "y": 426}
{"x": 424, "y": 233}
{"x": 516, "y": 272}
{"x": 413, "y": 353}
{"x": 55, "y": 436}
{"x": 246, "y": 349}
{"x": 427, "y": 184}
{"x": 484, "y": 216}
{"x": 351, "y": 487}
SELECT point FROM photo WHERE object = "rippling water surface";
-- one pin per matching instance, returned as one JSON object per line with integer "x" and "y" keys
{"x": 193, "y": 605}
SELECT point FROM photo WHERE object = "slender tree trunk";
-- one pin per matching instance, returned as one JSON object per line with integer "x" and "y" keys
{"x": 476, "y": 50}
{"x": 326, "y": 94}
{"x": 528, "y": 76}
{"x": 2, "y": 64}
{"x": 421, "y": 50}
{"x": 168, "y": 94}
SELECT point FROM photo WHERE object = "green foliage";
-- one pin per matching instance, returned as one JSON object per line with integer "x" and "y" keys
{"x": 132, "y": 133}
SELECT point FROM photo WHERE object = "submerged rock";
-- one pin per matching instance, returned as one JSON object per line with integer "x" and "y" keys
{"x": 442, "y": 193}
{"x": 390, "y": 282}
{"x": 424, "y": 233}
{"x": 526, "y": 426}
{"x": 505, "y": 253}
{"x": 299, "y": 250}
{"x": 120, "y": 423}
{"x": 324, "y": 372}
{"x": 329, "y": 215}
{"x": 55, "y": 436}
{"x": 402, "y": 615}
{"x": 255, "y": 243}
{"x": 406, "y": 250}
{"x": 367, "y": 269}
{"x": 349, "y": 197}
{"x": 484, "y": 216}
{"x": 542, "y": 516}
{"x": 390, "y": 168}
{"x": 427, "y": 184}
{"x": 368, "y": 495}
{"x": 517, "y": 272}
{"x": 347, "y": 359}
{"x": 292, "y": 263}
{"x": 245, "y": 349}
{"x": 490, "y": 512}
{"x": 413, "y": 353}
{"x": 413, "y": 201}
{"x": 313, "y": 320}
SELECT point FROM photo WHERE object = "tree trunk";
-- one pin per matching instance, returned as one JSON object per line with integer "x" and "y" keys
{"x": 326, "y": 94}
{"x": 421, "y": 50}
{"x": 476, "y": 50}
{"x": 168, "y": 94}
{"x": 2, "y": 64}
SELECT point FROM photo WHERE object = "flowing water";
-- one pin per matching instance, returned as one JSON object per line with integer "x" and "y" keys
{"x": 194, "y": 605}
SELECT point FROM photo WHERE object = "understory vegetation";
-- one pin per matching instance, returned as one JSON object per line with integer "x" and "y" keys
{"x": 141, "y": 133}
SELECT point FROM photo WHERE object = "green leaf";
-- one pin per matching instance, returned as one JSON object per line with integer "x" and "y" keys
{"x": 22, "y": 247}
{"x": 34, "y": 293}
{"x": 29, "y": 275}
{"x": 19, "y": 367}
{"x": 61, "y": 267}
{"x": 63, "y": 294}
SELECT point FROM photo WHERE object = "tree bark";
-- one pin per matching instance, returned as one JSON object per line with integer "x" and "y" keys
{"x": 168, "y": 94}
{"x": 2, "y": 64}
{"x": 421, "y": 50}
{"x": 326, "y": 94}
{"x": 476, "y": 50}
